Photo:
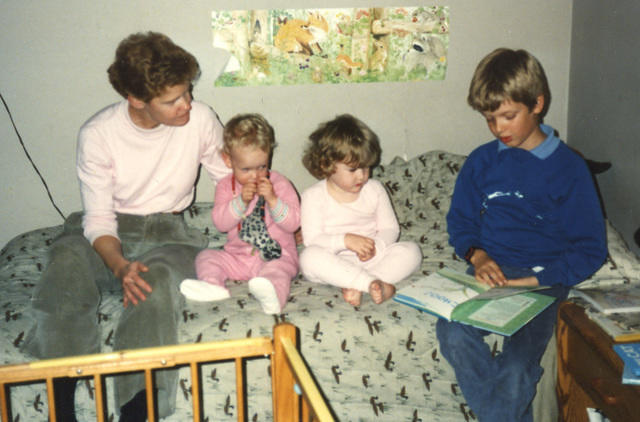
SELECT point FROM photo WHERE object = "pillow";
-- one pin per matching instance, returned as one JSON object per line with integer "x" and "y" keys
{"x": 621, "y": 266}
{"x": 421, "y": 188}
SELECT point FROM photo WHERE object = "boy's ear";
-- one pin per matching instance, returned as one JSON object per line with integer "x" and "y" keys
{"x": 135, "y": 102}
{"x": 537, "y": 109}
{"x": 226, "y": 158}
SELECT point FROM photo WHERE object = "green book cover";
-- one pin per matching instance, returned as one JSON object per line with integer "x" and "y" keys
{"x": 456, "y": 296}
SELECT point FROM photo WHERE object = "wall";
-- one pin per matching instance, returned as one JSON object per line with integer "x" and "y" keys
{"x": 604, "y": 102}
{"x": 54, "y": 56}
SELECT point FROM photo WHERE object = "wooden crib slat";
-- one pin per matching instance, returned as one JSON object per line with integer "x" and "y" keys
{"x": 4, "y": 411}
{"x": 97, "y": 386}
{"x": 285, "y": 401}
{"x": 52, "y": 403}
{"x": 148, "y": 385}
{"x": 240, "y": 390}
{"x": 195, "y": 391}
{"x": 306, "y": 416}
{"x": 305, "y": 382}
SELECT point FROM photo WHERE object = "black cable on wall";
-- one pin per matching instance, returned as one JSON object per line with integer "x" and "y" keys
{"x": 29, "y": 157}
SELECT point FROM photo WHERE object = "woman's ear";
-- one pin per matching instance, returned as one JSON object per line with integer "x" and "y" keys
{"x": 136, "y": 103}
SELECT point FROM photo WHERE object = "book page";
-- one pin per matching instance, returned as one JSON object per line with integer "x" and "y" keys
{"x": 503, "y": 316}
{"x": 502, "y": 311}
{"x": 504, "y": 291}
{"x": 435, "y": 294}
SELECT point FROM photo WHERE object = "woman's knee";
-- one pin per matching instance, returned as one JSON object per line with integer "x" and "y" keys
{"x": 166, "y": 268}
{"x": 68, "y": 284}
{"x": 177, "y": 258}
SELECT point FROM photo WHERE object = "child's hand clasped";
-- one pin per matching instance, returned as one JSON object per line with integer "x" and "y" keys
{"x": 363, "y": 246}
{"x": 262, "y": 187}
{"x": 265, "y": 189}
{"x": 248, "y": 192}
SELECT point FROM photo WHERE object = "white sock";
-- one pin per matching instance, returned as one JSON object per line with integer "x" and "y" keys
{"x": 265, "y": 293}
{"x": 202, "y": 291}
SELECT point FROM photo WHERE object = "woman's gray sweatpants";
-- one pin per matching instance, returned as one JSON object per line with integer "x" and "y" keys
{"x": 66, "y": 300}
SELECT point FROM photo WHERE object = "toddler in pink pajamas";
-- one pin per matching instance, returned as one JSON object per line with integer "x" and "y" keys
{"x": 259, "y": 206}
{"x": 349, "y": 228}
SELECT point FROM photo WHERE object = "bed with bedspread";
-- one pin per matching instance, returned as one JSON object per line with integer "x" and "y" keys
{"x": 372, "y": 362}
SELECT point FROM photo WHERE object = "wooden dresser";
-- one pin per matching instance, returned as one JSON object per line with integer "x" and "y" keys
{"x": 590, "y": 371}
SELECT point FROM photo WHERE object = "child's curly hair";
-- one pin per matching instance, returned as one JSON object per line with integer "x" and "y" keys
{"x": 148, "y": 63}
{"x": 248, "y": 129}
{"x": 344, "y": 139}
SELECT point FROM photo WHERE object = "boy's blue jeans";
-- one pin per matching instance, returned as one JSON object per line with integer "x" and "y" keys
{"x": 500, "y": 388}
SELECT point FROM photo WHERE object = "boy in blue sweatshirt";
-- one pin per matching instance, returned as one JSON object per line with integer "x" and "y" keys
{"x": 524, "y": 212}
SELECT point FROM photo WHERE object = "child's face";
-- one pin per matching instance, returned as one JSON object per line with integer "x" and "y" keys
{"x": 347, "y": 179}
{"x": 171, "y": 108}
{"x": 248, "y": 163}
{"x": 515, "y": 125}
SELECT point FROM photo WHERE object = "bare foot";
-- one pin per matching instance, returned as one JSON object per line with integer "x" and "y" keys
{"x": 352, "y": 296}
{"x": 381, "y": 291}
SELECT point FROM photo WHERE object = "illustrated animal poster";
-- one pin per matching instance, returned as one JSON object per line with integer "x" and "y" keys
{"x": 311, "y": 46}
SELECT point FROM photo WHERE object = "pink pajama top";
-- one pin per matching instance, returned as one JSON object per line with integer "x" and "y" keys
{"x": 282, "y": 221}
{"x": 326, "y": 221}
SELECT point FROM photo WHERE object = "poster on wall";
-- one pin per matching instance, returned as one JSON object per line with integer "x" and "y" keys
{"x": 313, "y": 46}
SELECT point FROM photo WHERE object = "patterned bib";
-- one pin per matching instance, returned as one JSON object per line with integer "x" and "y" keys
{"x": 254, "y": 231}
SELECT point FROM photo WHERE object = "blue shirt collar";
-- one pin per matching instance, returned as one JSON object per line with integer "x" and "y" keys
{"x": 543, "y": 150}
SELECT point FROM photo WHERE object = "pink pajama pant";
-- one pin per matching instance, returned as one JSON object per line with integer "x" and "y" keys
{"x": 216, "y": 266}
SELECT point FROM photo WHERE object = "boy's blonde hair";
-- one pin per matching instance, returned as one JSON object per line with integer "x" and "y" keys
{"x": 344, "y": 139}
{"x": 506, "y": 74}
{"x": 248, "y": 129}
{"x": 146, "y": 64}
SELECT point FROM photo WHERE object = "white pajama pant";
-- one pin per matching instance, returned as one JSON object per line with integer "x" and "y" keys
{"x": 391, "y": 264}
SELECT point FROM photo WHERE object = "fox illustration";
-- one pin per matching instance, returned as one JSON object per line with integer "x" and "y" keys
{"x": 347, "y": 64}
{"x": 298, "y": 36}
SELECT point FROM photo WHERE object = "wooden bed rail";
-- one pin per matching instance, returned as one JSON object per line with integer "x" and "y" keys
{"x": 288, "y": 374}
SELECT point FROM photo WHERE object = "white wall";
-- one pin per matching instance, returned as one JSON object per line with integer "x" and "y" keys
{"x": 603, "y": 119}
{"x": 54, "y": 56}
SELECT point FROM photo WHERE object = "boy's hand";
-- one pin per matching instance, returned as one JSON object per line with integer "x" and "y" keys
{"x": 265, "y": 189}
{"x": 487, "y": 270}
{"x": 363, "y": 246}
{"x": 524, "y": 282}
{"x": 133, "y": 286}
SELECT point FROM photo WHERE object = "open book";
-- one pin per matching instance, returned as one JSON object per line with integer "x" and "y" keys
{"x": 456, "y": 296}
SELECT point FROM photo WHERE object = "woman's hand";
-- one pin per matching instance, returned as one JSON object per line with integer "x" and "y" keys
{"x": 133, "y": 286}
